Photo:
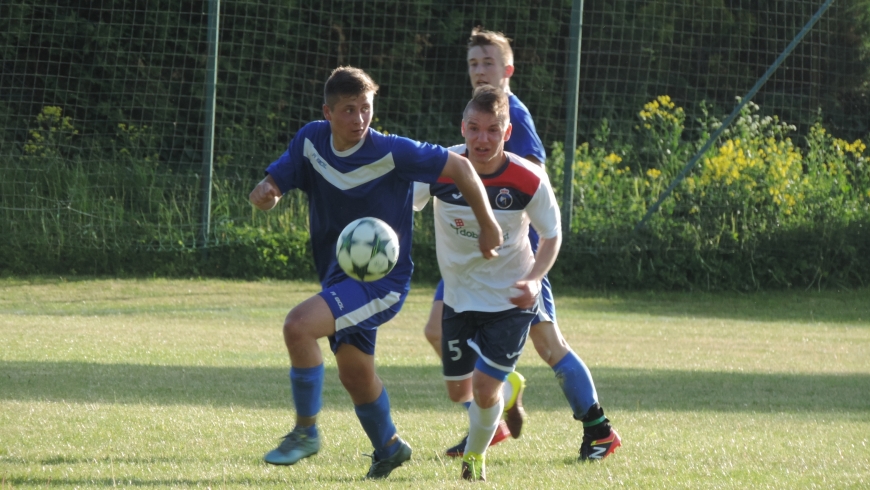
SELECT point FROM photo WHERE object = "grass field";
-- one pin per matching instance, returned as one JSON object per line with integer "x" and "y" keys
{"x": 183, "y": 384}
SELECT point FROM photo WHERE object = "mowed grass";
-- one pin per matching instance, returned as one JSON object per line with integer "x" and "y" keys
{"x": 183, "y": 384}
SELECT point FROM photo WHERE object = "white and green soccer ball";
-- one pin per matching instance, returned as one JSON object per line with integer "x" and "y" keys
{"x": 367, "y": 249}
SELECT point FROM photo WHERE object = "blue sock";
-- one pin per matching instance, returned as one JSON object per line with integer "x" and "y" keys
{"x": 376, "y": 421}
{"x": 310, "y": 431}
{"x": 307, "y": 387}
{"x": 466, "y": 404}
{"x": 576, "y": 382}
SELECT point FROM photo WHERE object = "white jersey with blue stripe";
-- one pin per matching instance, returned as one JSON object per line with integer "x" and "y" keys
{"x": 374, "y": 178}
{"x": 519, "y": 194}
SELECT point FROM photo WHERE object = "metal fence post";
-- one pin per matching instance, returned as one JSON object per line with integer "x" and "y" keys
{"x": 209, "y": 109}
{"x": 572, "y": 106}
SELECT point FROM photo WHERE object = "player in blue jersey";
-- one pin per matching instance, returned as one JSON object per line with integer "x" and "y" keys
{"x": 490, "y": 61}
{"x": 489, "y": 305}
{"x": 349, "y": 171}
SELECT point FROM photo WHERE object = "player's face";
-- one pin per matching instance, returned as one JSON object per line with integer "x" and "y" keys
{"x": 484, "y": 139}
{"x": 486, "y": 68}
{"x": 349, "y": 119}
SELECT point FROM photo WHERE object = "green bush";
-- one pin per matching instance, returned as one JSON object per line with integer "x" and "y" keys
{"x": 757, "y": 211}
{"x": 132, "y": 214}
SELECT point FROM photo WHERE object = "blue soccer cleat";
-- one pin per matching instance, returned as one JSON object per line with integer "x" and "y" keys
{"x": 381, "y": 468}
{"x": 295, "y": 446}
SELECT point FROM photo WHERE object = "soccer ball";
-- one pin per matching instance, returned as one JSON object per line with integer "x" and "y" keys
{"x": 367, "y": 249}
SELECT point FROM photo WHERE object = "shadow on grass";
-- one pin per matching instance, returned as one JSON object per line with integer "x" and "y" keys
{"x": 421, "y": 388}
{"x": 797, "y": 307}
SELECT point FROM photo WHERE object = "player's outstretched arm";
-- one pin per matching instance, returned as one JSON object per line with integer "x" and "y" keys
{"x": 528, "y": 288}
{"x": 459, "y": 170}
{"x": 266, "y": 194}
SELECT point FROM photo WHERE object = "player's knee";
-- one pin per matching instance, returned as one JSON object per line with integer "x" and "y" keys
{"x": 459, "y": 391}
{"x": 356, "y": 379}
{"x": 432, "y": 331}
{"x": 294, "y": 329}
{"x": 545, "y": 353}
{"x": 486, "y": 397}
{"x": 457, "y": 397}
{"x": 549, "y": 343}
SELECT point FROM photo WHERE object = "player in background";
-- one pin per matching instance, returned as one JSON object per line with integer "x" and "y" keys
{"x": 489, "y": 305}
{"x": 490, "y": 61}
{"x": 350, "y": 171}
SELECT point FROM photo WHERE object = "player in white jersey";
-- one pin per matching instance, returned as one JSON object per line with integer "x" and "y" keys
{"x": 350, "y": 171}
{"x": 490, "y": 61}
{"x": 489, "y": 305}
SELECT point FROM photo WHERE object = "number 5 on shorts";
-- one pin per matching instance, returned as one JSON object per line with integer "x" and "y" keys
{"x": 452, "y": 346}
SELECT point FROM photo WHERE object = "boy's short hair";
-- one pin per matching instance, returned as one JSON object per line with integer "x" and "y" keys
{"x": 347, "y": 81}
{"x": 490, "y": 100}
{"x": 482, "y": 37}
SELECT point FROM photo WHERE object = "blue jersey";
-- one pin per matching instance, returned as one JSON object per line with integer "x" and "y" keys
{"x": 374, "y": 178}
{"x": 524, "y": 140}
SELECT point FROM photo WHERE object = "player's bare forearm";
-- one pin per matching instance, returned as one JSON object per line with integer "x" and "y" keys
{"x": 460, "y": 171}
{"x": 548, "y": 250}
{"x": 526, "y": 290}
{"x": 266, "y": 194}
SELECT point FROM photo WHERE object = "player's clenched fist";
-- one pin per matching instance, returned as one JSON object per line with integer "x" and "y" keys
{"x": 266, "y": 195}
{"x": 524, "y": 294}
{"x": 490, "y": 240}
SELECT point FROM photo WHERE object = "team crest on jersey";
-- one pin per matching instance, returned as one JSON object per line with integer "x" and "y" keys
{"x": 504, "y": 199}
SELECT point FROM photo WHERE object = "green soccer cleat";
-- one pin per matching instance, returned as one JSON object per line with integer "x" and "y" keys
{"x": 382, "y": 468}
{"x": 295, "y": 446}
{"x": 513, "y": 408}
{"x": 474, "y": 467}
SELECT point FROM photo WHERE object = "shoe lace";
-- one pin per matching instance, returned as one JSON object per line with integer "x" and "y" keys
{"x": 291, "y": 440}
{"x": 473, "y": 468}
{"x": 378, "y": 465}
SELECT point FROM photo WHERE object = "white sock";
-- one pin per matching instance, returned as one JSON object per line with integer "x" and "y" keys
{"x": 482, "y": 423}
{"x": 507, "y": 391}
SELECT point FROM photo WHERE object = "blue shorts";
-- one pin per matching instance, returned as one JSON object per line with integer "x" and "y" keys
{"x": 439, "y": 291}
{"x": 490, "y": 342}
{"x": 359, "y": 308}
{"x": 546, "y": 303}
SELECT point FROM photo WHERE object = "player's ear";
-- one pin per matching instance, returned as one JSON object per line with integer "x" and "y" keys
{"x": 507, "y": 133}
{"x": 462, "y": 128}
{"x": 508, "y": 71}
{"x": 326, "y": 114}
